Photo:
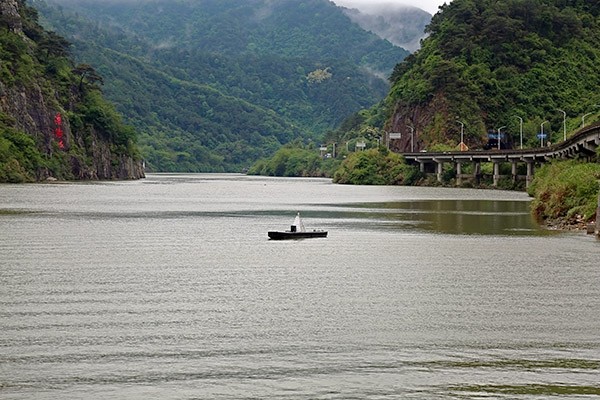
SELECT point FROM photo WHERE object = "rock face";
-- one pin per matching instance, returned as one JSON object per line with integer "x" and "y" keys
{"x": 9, "y": 10}
{"x": 30, "y": 103}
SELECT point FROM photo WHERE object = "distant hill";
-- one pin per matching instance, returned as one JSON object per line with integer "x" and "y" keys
{"x": 402, "y": 25}
{"x": 487, "y": 62}
{"x": 54, "y": 121}
{"x": 214, "y": 85}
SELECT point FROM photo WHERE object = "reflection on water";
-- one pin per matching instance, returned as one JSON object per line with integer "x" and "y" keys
{"x": 483, "y": 217}
{"x": 512, "y": 391}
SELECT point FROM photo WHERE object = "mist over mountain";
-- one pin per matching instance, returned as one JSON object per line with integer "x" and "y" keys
{"x": 402, "y": 25}
{"x": 214, "y": 85}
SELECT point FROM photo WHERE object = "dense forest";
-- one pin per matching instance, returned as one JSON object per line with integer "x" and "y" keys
{"x": 488, "y": 63}
{"x": 54, "y": 121}
{"x": 214, "y": 85}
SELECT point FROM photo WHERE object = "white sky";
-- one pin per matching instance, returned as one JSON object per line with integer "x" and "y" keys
{"x": 431, "y": 6}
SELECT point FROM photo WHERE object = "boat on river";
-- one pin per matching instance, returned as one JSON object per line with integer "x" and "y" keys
{"x": 297, "y": 231}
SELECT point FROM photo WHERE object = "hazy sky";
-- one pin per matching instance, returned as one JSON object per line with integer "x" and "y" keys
{"x": 431, "y": 6}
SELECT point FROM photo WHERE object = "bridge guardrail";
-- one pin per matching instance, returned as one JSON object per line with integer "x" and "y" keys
{"x": 590, "y": 132}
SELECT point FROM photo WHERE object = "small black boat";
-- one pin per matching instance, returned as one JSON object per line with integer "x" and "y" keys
{"x": 297, "y": 231}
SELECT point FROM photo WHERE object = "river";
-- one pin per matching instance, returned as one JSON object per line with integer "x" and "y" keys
{"x": 168, "y": 288}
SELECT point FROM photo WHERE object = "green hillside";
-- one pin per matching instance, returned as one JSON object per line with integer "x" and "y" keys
{"x": 215, "y": 85}
{"x": 54, "y": 122}
{"x": 488, "y": 62}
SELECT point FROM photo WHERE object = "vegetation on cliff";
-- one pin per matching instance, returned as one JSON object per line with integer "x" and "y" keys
{"x": 487, "y": 62}
{"x": 54, "y": 121}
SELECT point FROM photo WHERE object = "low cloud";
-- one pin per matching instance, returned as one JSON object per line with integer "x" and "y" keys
{"x": 431, "y": 6}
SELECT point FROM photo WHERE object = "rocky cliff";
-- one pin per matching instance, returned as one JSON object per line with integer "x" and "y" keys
{"x": 54, "y": 122}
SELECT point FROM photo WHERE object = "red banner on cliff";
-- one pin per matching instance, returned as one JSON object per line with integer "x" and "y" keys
{"x": 58, "y": 132}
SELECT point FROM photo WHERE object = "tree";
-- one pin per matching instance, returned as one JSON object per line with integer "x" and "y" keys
{"x": 87, "y": 74}
{"x": 319, "y": 75}
{"x": 55, "y": 45}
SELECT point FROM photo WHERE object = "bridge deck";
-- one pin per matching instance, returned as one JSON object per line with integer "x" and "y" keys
{"x": 584, "y": 143}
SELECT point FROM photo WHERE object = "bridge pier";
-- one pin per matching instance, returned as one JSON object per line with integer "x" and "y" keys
{"x": 459, "y": 180}
{"x": 477, "y": 172}
{"x": 440, "y": 170}
{"x": 530, "y": 172}
{"x": 496, "y": 172}
{"x": 583, "y": 144}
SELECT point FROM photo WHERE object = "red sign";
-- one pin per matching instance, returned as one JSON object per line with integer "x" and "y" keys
{"x": 58, "y": 132}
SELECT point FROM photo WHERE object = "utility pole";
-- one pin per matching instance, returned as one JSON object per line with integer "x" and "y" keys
{"x": 583, "y": 119}
{"x": 542, "y": 133}
{"x": 499, "y": 129}
{"x": 521, "y": 129}
{"x": 462, "y": 134}
{"x": 564, "y": 124}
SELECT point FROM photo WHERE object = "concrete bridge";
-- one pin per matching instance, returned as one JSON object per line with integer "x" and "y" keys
{"x": 581, "y": 145}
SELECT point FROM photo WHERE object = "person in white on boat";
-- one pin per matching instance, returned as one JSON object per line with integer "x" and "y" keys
{"x": 299, "y": 224}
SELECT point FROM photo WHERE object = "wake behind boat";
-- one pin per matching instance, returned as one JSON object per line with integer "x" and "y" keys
{"x": 297, "y": 231}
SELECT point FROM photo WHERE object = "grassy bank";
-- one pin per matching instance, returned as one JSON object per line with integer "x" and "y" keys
{"x": 565, "y": 193}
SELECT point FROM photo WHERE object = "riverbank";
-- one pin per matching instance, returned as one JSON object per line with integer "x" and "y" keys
{"x": 562, "y": 224}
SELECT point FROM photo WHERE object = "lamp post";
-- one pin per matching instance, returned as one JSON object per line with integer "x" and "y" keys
{"x": 542, "y": 133}
{"x": 583, "y": 119}
{"x": 520, "y": 129}
{"x": 564, "y": 124}
{"x": 499, "y": 129}
{"x": 462, "y": 134}
{"x": 412, "y": 138}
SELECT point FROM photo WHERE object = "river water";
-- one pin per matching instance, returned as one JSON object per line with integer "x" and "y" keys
{"x": 168, "y": 288}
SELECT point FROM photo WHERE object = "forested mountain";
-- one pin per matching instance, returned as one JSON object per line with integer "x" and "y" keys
{"x": 486, "y": 63}
{"x": 214, "y": 85}
{"x": 54, "y": 122}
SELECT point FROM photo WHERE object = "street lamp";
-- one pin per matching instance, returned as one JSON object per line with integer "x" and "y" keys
{"x": 520, "y": 129}
{"x": 564, "y": 124}
{"x": 583, "y": 119}
{"x": 499, "y": 129}
{"x": 462, "y": 134}
{"x": 412, "y": 138}
{"x": 542, "y": 133}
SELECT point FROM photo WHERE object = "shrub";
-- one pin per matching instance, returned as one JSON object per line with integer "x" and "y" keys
{"x": 565, "y": 189}
{"x": 376, "y": 167}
